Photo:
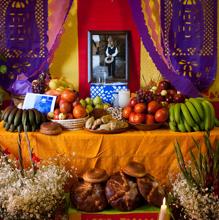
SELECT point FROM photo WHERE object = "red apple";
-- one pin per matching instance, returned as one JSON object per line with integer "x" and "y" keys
{"x": 140, "y": 108}
{"x": 126, "y": 112}
{"x": 133, "y": 101}
{"x": 139, "y": 118}
{"x": 131, "y": 117}
{"x": 161, "y": 115}
{"x": 149, "y": 119}
{"x": 153, "y": 106}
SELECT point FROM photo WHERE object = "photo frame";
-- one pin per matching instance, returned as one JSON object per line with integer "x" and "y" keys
{"x": 41, "y": 102}
{"x": 108, "y": 56}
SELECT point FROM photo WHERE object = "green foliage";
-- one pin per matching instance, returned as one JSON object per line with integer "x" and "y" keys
{"x": 204, "y": 170}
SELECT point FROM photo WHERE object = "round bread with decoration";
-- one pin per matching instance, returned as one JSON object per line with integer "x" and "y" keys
{"x": 134, "y": 169}
{"x": 89, "y": 194}
{"x": 122, "y": 192}
{"x": 151, "y": 190}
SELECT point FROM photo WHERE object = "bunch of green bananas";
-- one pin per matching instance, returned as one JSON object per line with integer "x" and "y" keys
{"x": 16, "y": 119}
{"x": 196, "y": 114}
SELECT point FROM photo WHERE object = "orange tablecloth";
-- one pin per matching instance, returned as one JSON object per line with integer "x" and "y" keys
{"x": 110, "y": 151}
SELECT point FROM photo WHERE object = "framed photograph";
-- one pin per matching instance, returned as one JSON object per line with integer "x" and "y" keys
{"x": 108, "y": 59}
{"x": 41, "y": 102}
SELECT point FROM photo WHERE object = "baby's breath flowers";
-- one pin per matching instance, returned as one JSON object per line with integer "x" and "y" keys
{"x": 196, "y": 188}
{"x": 27, "y": 196}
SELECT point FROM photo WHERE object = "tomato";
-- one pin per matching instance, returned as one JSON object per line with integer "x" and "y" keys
{"x": 149, "y": 119}
{"x": 79, "y": 111}
{"x": 131, "y": 117}
{"x": 153, "y": 106}
{"x": 68, "y": 96}
{"x": 53, "y": 92}
{"x": 126, "y": 112}
{"x": 65, "y": 107}
{"x": 161, "y": 115}
{"x": 139, "y": 118}
{"x": 56, "y": 111}
{"x": 133, "y": 101}
{"x": 140, "y": 108}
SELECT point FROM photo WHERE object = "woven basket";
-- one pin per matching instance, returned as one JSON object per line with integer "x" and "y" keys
{"x": 72, "y": 124}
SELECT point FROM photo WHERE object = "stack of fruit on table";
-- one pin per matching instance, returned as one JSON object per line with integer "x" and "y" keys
{"x": 151, "y": 105}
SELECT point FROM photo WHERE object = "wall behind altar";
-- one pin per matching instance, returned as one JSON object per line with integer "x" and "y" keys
{"x": 70, "y": 59}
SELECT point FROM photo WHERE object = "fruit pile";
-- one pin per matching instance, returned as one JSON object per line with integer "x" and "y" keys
{"x": 39, "y": 85}
{"x": 195, "y": 114}
{"x": 96, "y": 102}
{"x": 150, "y": 113}
{"x": 162, "y": 92}
{"x": 16, "y": 119}
{"x": 67, "y": 106}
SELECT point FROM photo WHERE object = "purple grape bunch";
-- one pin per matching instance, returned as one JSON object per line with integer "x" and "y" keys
{"x": 39, "y": 85}
{"x": 144, "y": 96}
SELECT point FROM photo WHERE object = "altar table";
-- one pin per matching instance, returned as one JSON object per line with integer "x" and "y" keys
{"x": 82, "y": 150}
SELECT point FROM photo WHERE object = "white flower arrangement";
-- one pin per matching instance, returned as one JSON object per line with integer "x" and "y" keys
{"x": 195, "y": 191}
{"x": 33, "y": 193}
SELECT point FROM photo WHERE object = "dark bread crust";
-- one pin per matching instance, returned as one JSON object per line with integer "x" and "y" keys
{"x": 89, "y": 197}
{"x": 50, "y": 128}
{"x": 150, "y": 190}
{"x": 122, "y": 192}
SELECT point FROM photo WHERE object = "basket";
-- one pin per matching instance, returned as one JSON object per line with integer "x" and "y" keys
{"x": 72, "y": 124}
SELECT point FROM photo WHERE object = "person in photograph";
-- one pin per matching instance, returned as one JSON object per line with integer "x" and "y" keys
{"x": 43, "y": 104}
{"x": 111, "y": 53}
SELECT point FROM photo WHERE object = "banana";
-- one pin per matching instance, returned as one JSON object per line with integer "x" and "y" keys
{"x": 20, "y": 128}
{"x": 4, "y": 111}
{"x": 187, "y": 115}
{"x": 7, "y": 112}
{"x": 187, "y": 126}
{"x": 196, "y": 127}
{"x": 12, "y": 115}
{"x": 193, "y": 111}
{"x": 18, "y": 117}
{"x": 198, "y": 106}
{"x": 202, "y": 125}
{"x": 216, "y": 122}
{"x": 181, "y": 127}
{"x": 12, "y": 128}
{"x": 24, "y": 117}
{"x": 171, "y": 113}
{"x": 31, "y": 116}
{"x": 172, "y": 126}
{"x": 177, "y": 112}
{"x": 208, "y": 118}
{"x": 212, "y": 112}
{"x": 38, "y": 116}
{"x": 7, "y": 126}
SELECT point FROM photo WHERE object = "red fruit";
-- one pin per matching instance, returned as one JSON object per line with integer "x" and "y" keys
{"x": 140, "y": 108}
{"x": 153, "y": 106}
{"x": 56, "y": 111}
{"x": 149, "y": 119}
{"x": 69, "y": 116}
{"x": 56, "y": 117}
{"x": 65, "y": 107}
{"x": 131, "y": 117}
{"x": 164, "y": 85}
{"x": 68, "y": 95}
{"x": 126, "y": 112}
{"x": 58, "y": 98}
{"x": 76, "y": 102}
{"x": 179, "y": 98}
{"x": 133, "y": 101}
{"x": 139, "y": 118}
{"x": 161, "y": 115}
{"x": 79, "y": 111}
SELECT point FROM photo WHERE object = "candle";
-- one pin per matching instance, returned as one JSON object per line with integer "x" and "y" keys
{"x": 163, "y": 211}
{"x": 124, "y": 96}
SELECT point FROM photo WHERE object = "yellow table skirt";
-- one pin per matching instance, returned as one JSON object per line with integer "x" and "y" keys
{"x": 109, "y": 151}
